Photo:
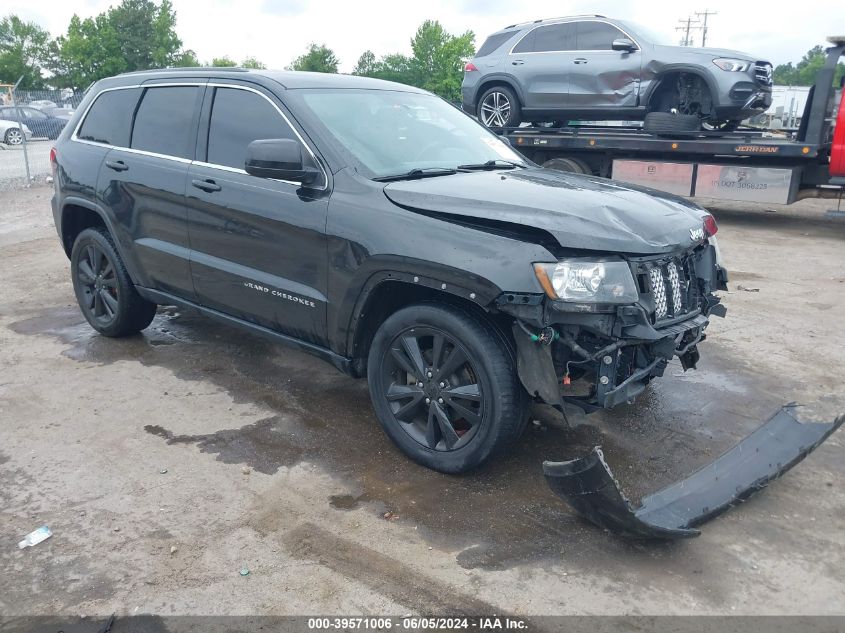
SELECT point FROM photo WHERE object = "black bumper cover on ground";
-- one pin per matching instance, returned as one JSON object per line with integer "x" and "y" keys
{"x": 588, "y": 485}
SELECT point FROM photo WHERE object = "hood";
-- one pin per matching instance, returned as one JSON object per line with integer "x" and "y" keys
{"x": 579, "y": 212}
{"x": 690, "y": 51}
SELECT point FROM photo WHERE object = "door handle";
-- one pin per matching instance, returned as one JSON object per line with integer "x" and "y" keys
{"x": 117, "y": 165}
{"x": 206, "y": 185}
{"x": 580, "y": 60}
{"x": 517, "y": 62}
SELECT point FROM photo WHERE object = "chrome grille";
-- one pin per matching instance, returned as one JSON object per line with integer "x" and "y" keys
{"x": 763, "y": 73}
{"x": 675, "y": 285}
{"x": 658, "y": 289}
{"x": 668, "y": 283}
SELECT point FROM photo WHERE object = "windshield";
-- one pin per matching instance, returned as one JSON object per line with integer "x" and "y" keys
{"x": 393, "y": 133}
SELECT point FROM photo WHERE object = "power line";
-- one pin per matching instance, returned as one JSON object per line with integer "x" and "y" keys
{"x": 704, "y": 14}
{"x": 686, "y": 26}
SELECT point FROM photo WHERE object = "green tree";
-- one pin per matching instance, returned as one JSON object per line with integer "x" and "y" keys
{"x": 804, "y": 72}
{"x": 437, "y": 62}
{"x": 318, "y": 58}
{"x": 134, "y": 35}
{"x": 24, "y": 50}
{"x": 367, "y": 65}
{"x": 223, "y": 62}
{"x": 186, "y": 59}
{"x": 252, "y": 62}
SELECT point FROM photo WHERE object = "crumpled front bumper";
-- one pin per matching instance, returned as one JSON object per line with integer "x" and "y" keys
{"x": 588, "y": 485}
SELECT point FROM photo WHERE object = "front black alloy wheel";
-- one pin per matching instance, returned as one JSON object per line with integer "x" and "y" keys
{"x": 444, "y": 387}
{"x": 104, "y": 291}
{"x": 433, "y": 388}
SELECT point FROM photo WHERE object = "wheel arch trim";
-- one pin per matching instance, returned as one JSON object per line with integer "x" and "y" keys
{"x": 481, "y": 293}
{"x": 670, "y": 69}
{"x": 84, "y": 203}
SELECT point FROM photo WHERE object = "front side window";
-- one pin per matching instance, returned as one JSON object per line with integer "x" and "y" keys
{"x": 109, "y": 120}
{"x": 163, "y": 123}
{"x": 597, "y": 36}
{"x": 391, "y": 132}
{"x": 239, "y": 117}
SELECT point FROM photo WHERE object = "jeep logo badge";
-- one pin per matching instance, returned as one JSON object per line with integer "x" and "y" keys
{"x": 696, "y": 234}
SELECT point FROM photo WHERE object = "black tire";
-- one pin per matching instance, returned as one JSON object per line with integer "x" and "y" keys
{"x": 104, "y": 291}
{"x": 482, "y": 400}
{"x": 721, "y": 126}
{"x": 510, "y": 118}
{"x": 668, "y": 124}
{"x": 571, "y": 165}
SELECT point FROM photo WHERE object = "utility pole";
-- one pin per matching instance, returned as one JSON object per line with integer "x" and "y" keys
{"x": 704, "y": 14}
{"x": 686, "y": 26}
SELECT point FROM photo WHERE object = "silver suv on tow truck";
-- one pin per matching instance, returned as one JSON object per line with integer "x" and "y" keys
{"x": 596, "y": 68}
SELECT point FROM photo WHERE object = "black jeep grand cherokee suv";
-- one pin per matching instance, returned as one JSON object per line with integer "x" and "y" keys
{"x": 378, "y": 227}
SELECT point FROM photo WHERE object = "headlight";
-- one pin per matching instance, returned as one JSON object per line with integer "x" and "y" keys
{"x": 588, "y": 281}
{"x": 732, "y": 65}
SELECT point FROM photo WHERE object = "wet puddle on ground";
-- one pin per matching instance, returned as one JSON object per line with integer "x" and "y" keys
{"x": 498, "y": 517}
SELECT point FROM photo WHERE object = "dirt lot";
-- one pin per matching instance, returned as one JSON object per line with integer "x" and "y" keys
{"x": 239, "y": 454}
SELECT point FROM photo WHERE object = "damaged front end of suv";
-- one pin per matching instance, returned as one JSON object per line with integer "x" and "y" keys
{"x": 609, "y": 324}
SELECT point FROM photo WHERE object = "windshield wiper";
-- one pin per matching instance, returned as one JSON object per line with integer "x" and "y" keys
{"x": 496, "y": 163}
{"x": 418, "y": 173}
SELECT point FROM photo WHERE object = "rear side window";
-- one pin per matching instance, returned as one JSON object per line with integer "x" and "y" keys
{"x": 163, "y": 123}
{"x": 239, "y": 117}
{"x": 109, "y": 120}
{"x": 544, "y": 39}
{"x": 597, "y": 36}
{"x": 492, "y": 43}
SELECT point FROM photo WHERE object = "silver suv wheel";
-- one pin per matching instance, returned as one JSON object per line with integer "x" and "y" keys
{"x": 495, "y": 109}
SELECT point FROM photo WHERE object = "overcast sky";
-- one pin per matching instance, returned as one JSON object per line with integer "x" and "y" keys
{"x": 276, "y": 31}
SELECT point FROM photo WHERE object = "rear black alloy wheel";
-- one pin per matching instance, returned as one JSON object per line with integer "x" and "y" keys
{"x": 433, "y": 389}
{"x": 444, "y": 387}
{"x": 98, "y": 284}
{"x": 105, "y": 293}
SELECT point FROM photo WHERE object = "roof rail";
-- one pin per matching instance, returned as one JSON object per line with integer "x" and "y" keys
{"x": 563, "y": 17}
{"x": 229, "y": 69}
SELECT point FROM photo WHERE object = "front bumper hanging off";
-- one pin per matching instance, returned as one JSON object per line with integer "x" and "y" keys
{"x": 588, "y": 485}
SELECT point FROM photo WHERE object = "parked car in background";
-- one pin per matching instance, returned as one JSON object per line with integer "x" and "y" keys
{"x": 41, "y": 123}
{"x": 60, "y": 112}
{"x": 42, "y": 103}
{"x": 596, "y": 68}
{"x": 11, "y": 134}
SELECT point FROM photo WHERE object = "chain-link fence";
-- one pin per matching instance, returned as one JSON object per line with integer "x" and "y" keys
{"x": 29, "y": 120}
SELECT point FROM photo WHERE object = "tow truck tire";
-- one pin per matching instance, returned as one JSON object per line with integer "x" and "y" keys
{"x": 668, "y": 124}
{"x": 571, "y": 165}
{"x": 482, "y": 399}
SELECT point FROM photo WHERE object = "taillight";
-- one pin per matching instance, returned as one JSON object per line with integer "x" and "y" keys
{"x": 53, "y": 164}
{"x": 710, "y": 226}
{"x": 469, "y": 67}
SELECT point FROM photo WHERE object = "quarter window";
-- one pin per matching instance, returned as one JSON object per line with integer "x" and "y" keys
{"x": 109, "y": 120}
{"x": 239, "y": 117}
{"x": 163, "y": 123}
{"x": 597, "y": 36}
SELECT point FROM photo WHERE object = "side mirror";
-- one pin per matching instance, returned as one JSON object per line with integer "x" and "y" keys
{"x": 623, "y": 44}
{"x": 279, "y": 158}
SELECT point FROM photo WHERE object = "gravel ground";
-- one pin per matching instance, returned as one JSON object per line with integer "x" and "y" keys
{"x": 167, "y": 462}
{"x": 13, "y": 166}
